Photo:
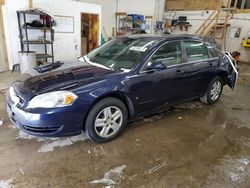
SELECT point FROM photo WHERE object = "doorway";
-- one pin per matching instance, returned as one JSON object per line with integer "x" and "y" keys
{"x": 89, "y": 32}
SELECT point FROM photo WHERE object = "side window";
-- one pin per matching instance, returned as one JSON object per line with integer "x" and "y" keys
{"x": 212, "y": 52}
{"x": 196, "y": 51}
{"x": 168, "y": 54}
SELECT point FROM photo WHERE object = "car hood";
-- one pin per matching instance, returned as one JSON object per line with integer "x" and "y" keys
{"x": 60, "y": 80}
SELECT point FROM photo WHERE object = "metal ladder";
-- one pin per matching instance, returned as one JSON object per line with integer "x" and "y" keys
{"x": 216, "y": 24}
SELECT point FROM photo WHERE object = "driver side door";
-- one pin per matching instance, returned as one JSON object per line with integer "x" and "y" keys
{"x": 153, "y": 87}
{"x": 173, "y": 85}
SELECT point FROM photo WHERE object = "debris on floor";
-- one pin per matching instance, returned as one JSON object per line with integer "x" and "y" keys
{"x": 179, "y": 118}
{"x": 112, "y": 177}
{"x": 49, "y": 144}
{"x": 6, "y": 183}
{"x": 21, "y": 171}
{"x": 230, "y": 171}
{"x": 155, "y": 168}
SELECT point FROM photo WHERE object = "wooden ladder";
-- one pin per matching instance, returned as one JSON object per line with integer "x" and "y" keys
{"x": 217, "y": 23}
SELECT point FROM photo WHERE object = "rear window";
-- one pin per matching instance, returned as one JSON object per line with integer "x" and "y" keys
{"x": 212, "y": 52}
{"x": 196, "y": 51}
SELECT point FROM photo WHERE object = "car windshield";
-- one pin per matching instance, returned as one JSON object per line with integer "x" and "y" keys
{"x": 121, "y": 53}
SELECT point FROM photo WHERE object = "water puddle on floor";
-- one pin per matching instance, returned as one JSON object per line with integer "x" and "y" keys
{"x": 49, "y": 144}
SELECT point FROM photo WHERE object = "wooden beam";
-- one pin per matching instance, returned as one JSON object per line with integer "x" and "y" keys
{"x": 2, "y": 2}
{"x": 3, "y": 33}
{"x": 30, "y": 3}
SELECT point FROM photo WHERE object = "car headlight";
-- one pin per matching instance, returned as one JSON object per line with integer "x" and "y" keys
{"x": 12, "y": 95}
{"x": 53, "y": 100}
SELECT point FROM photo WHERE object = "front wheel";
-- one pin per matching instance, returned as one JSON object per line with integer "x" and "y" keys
{"x": 106, "y": 120}
{"x": 213, "y": 92}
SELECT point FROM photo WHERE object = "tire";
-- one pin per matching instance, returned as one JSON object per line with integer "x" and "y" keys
{"x": 213, "y": 92}
{"x": 106, "y": 120}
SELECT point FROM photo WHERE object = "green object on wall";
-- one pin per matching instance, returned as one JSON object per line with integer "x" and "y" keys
{"x": 102, "y": 40}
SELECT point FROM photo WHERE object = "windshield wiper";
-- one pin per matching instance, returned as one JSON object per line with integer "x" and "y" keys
{"x": 84, "y": 59}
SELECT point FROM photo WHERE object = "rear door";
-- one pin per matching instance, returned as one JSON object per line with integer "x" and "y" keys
{"x": 199, "y": 67}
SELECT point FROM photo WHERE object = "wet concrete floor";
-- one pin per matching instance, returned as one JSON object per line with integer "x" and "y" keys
{"x": 191, "y": 145}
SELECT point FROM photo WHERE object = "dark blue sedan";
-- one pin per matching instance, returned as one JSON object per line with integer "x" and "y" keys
{"x": 125, "y": 78}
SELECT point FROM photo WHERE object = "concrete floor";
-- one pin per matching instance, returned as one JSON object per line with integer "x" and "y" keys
{"x": 191, "y": 145}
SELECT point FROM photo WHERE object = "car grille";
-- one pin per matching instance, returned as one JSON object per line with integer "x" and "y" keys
{"x": 41, "y": 129}
{"x": 12, "y": 115}
{"x": 13, "y": 118}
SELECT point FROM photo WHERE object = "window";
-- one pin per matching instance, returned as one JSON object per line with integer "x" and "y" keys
{"x": 240, "y": 4}
{"x": 212, "y": 52}
{"x": 121, "y": 53}
{"x": 168, "y": 54}
{"x": 196, "y": 51}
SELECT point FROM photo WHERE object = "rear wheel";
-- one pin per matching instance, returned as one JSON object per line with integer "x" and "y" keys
{"x": 106, "y": 120}
{"x": 213, "y": 92}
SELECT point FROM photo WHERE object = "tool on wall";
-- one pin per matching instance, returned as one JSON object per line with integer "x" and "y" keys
{"x": 246, "y": 41}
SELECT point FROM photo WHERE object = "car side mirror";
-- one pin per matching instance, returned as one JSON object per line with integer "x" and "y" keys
{"x": 156, "y": 66}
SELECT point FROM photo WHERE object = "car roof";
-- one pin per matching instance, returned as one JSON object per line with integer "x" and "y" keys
{"x": 167, "y": 37}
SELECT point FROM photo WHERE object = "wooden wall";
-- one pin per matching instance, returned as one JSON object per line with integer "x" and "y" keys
{"x": 192, "y": 4}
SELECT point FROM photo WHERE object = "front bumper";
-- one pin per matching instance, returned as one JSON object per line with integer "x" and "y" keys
{"x": 58, "y": 122}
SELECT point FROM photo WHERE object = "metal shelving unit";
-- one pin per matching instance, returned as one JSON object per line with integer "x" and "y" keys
{"x": 126, "y": 25}
{"x": 24, "y": 34}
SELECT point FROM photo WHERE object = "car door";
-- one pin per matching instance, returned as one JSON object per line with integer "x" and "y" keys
{"x": 144, "y": 89}
{"x": 173, "y": 84}
{"x": 199, "y": 67}
{"x": 151, "y": 88}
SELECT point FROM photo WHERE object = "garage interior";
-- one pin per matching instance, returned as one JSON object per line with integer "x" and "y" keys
{"x": 188, "y": 145}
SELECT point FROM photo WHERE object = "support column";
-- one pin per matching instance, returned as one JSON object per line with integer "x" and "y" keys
{"x": 30, "y": 3}
{"x": 243, "y": 3}
{"x": 5, "y": 55}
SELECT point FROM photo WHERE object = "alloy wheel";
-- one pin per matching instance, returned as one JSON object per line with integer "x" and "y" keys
{"x": 108, "y": 122}
{"x": 215, "y": 90}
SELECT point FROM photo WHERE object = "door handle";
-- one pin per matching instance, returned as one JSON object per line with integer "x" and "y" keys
{"x": 178, "y": 72}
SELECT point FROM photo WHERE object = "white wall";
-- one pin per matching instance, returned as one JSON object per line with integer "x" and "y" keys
{"x": 242, "y": 21}
{"x": 11, "y": 28}
{"x": 144, "y": 7}
{"x": 67, "y": 45}
{"x": 196, "y": 18}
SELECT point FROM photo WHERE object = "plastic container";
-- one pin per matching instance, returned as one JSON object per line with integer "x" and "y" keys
{"x": 136, "y": 17}
{"x": 27, "y": 60}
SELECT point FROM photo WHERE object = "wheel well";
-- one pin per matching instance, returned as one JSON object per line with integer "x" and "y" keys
{"x": 223, "y": 76}
{"x": 116, "y": 95}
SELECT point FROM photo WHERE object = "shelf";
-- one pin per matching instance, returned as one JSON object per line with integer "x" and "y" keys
{"x": 126, "y": 20}
{"x": 38, "y": 28}
{"x": 32, "y": 12}
{"x": 149, "y": 17}
{"x": 129, "y": 29}
{"x": 25, "y": 29}
{"x": 43, "y": 56}
{"x": 120, "y": 13}
{"x": 37, "y": 42}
